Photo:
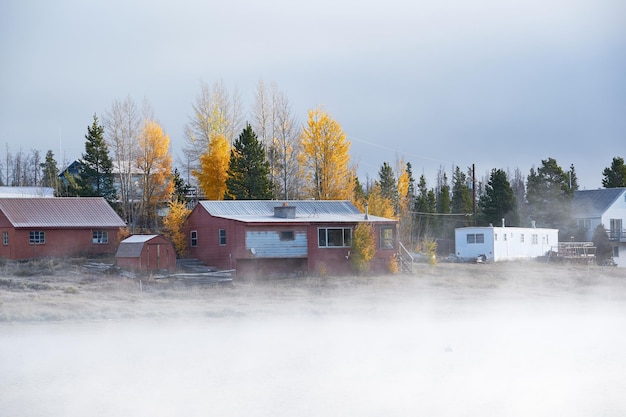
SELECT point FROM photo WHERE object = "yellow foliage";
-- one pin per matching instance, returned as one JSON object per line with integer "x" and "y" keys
{"x": 214, "y": 169}
{"x": 173, "y": 224}
{"x": 403, "y": 191}
{"x": 155, "y": 162}
{"x": 363, "y": 247}
{"x": 378, "y": 205}
{"x": 325, "y": 158}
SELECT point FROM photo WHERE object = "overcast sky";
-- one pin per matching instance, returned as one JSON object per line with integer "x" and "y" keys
{"x": 496, "y": 83}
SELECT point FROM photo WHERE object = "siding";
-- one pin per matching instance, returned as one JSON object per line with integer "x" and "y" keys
{"x": 267, "y": 244}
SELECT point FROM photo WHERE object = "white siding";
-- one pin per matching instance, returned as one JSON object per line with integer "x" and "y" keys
{"x": 505, "y": 243}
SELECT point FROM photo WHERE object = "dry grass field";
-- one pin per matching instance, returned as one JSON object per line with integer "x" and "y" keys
{"x": 53, "y": 290}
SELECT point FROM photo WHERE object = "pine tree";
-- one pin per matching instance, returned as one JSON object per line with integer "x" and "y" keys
{"x": 387, "y": 181}
{"x": 549, "y": 196}
{"x": 498, "y": 202}
{"x": 615, "y": 175}
{"x": 96, "y": 168}
{"x": 51, "y": 174}
{"x": 181, "y": 188}
{"x": 248, "y": 169}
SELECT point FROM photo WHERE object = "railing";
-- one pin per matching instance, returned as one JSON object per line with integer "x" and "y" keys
{"x": 405, "y": 257}
{"x": 616, "y": 235}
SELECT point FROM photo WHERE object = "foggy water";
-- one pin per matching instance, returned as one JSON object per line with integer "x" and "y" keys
{"x": 561, "y": 357}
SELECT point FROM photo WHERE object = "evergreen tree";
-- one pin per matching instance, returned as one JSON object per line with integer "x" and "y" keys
{"x": 387, "y": 181}
{"x": 615, "y": 175}
{"x": 498, "y": 202}
{"x": 549, "y": 196}
{"x": 604, "y": 249}
{"x": 96, "y": 168}
{"x": 51, "y": 174}
{"x": 181, "y": 188}
{"x": 248, "y": 169}
{"x": 461, "y": 201}
{"x": 425, "y": 205}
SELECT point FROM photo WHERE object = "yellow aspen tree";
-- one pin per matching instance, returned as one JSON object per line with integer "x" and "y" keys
{"x": 363, "y": 247}
{"x": 325, "y": 159}
{"x": 404, "y": 215}
{"x": 154, "y": 160}
{"x": 378, "y": 204}
{"x": 214, "y": 169}
{"x": 173, "y": 225}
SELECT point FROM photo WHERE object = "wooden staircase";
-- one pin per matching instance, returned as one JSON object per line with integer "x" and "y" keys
{"x": 405, "y": 259}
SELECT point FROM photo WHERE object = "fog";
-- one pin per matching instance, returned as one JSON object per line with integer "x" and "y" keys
{"x": 437, "y": 354}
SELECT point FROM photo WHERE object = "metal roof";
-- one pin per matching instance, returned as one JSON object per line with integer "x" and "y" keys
{"x": 138, "y": 238}
{"x": 60, "y": 212}
{"x": 307, "y": 211}
{"x": 593, "y": 203}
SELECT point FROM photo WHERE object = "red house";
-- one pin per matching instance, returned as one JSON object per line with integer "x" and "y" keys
{"x": 58, "y": 227}
{"x": 262, "y": 238}
{"x": 146, "y": 253}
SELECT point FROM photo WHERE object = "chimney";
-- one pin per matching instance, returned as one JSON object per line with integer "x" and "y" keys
{"x": 285, "y": 211}
{"x": 503, "y": 222}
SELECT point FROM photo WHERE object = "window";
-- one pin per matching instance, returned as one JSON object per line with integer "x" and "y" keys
{"x": 615, "y": 231}
{"x": 476, "y": 238}
{"x": 521, "y": 238}
{"x": 387, "y": 237}
{"x": 495, "y": 237}
{"x": 334, "y": 237}
{"x": 535, "y": 239}
{"x": 194, "y": 238}
{"x": 505, "y": 237}
{"x": 222, "y": 237}
{"x": 287, "y": 235}
{"x": 100, "y": 236}
{"x": 37, "y": 237}
{"x": 5, "y": 238}
{"x": 584, "y": 224}
{"x": 616, "y": 251}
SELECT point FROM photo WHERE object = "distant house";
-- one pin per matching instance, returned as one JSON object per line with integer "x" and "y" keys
{"x": 146, "y": 253}
{"x": 262, "y": 238}
{"x": 607, "y": 206}
{"x": 504, "y": 243}
{"x": 58, "y": 227}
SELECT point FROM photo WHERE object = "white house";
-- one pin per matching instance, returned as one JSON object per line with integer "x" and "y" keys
{"x": 504, "y": 243}
{"x": 606, "y": 206}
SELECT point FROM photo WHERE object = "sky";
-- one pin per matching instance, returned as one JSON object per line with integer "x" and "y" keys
{"x": 495, "y": 83}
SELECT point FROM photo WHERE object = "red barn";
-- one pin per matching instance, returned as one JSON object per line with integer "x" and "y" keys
{"x": 260, "y": 238}
{"x": 58, "y": 227}
{"x": 146, "y": 253}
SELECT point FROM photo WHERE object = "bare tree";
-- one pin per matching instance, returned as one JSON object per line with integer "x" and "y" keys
{"x": 278, "y": 130}
{"x": 215, "y": 112}
{"x": 122, "y": 123}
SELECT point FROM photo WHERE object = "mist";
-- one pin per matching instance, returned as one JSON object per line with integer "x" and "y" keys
{"x": 485, "y": 349}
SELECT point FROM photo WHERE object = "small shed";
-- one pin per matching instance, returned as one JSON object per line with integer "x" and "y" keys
{"x": 146, "y": 253}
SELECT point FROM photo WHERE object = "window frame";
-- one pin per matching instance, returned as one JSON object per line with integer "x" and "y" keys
{"x": 193, "y": 238}
{"x": 387, "y": 242}
{"x": 99, "y": 237}
{"x": 5, "y": 238}
{"x": 37, "y": 237}
{"x": 286, "y": 235}
{"x": 221, "y": 237}
{"x": 344, "y": 232}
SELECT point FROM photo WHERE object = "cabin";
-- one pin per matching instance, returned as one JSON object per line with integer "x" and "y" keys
{"x": 504, "y": 243}
{"x": 270, "y": 238}
{"x": 35, "y": 228}
{"x": 146, "y": 254}
{"x": 607, "y": 207}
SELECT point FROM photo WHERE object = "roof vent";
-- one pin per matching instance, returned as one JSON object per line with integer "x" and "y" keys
{"x": 285, "y": 211}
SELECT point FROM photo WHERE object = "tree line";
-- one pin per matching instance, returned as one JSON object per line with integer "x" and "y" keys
{"x": 128, "y": 161}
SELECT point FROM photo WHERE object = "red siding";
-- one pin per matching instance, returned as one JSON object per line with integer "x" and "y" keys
{"x": 58, "y": 243}
{"x": 157, "y": 254}
{"x": 234, "y": 255}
